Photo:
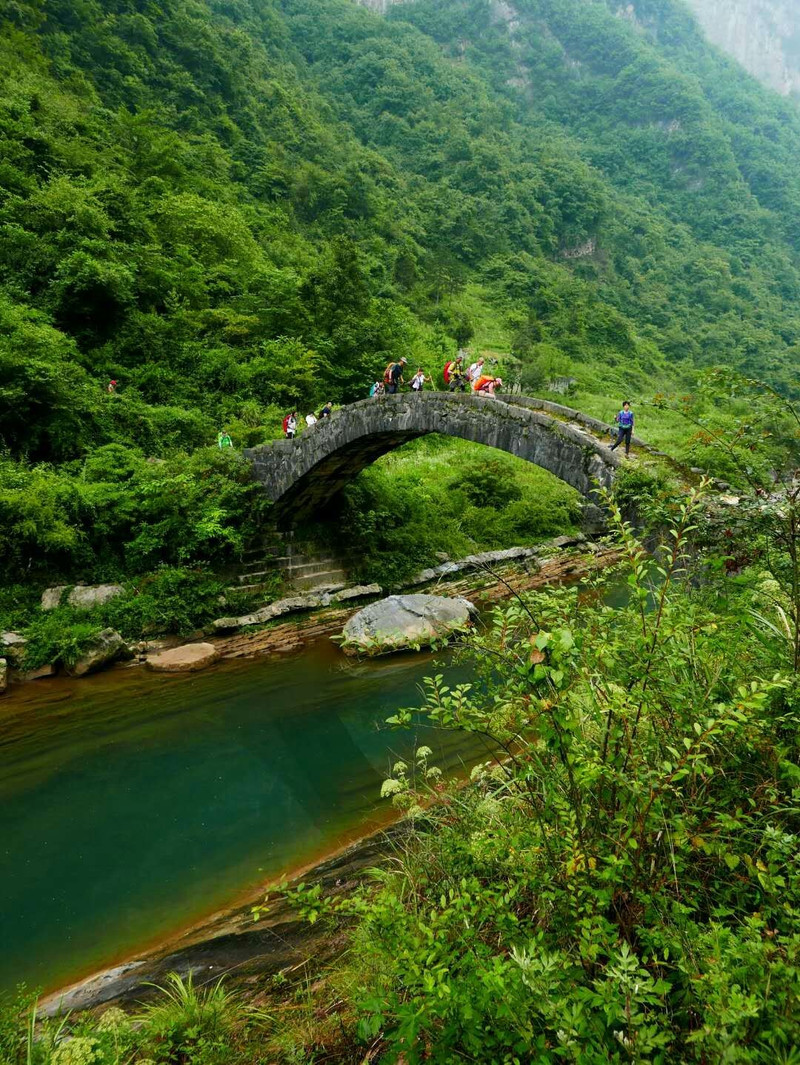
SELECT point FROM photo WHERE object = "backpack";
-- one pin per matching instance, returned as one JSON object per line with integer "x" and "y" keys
{"x": 387, "y": 373}
{"x": 286, "y": 423}
{"x": 448, "y": 370}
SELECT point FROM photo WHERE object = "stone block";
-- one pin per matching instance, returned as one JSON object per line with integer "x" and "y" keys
{"x": 359, "y": 591}
{"x": 40, "y": 673}
{"x": 51, "y": 597}
{"x": 88, "y": 596}
{"x": 106, "y": 648}
{"x": 12, "y": 646}
{"x": 82, "y": 596}
{"x": 186, "y": 659}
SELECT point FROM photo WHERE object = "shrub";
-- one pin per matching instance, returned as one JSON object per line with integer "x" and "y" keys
{"x": 190, "y": 1023}
{"x": 489, "y": 484}
{"x": 172, "y": 600}
{"x": 622, "y": 882}
{"x": 645, "y": 492}
{"x": 59, "y": 637}
{"x": 15, "y": 1008}
{"x": 122, "y": 514}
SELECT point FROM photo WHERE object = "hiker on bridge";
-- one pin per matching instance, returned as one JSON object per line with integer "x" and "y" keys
{"x": 311, "y": 419}
{"x": 485, "y": 385}
{"x": 393, "y": 376}
{"x": 474, "y": 372}
{"x": 326, "y": 411}
{"x": 290, "y": 425}
{"x": 624, "y": 420}
{"x": 377, "y": 390}
{"x": 418, "y": 380}
{"x": 224, "y": 439}
{"x": 454, "y": 376}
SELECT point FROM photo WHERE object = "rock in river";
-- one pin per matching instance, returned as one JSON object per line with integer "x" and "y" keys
{"x": 3, "y": 675}
{"x": 184, "y": 659}
{"x": 401, "y": 621}
{"x": 106, "y": 648}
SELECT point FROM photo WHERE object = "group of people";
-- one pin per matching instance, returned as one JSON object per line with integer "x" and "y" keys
{"x": 393, "y": 378}
{"x": 459, "y": 379}
{"x": 456, "y": 377}
{"x": 290, "y": 421}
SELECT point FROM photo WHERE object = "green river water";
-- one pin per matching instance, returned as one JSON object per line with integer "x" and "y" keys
{"x": 132, "y": 804}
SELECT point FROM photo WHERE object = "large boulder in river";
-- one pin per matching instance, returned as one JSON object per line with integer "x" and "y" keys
{"x": 3, "y": 675}
{"x": 185, "y": 659}
{"x": 106, "y": 647}
{"x": 402, "y": 621}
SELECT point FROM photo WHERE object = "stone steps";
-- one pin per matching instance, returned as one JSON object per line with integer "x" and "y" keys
{"x": 309, "y": 566}
{"x": 321, "y": 579}
{"x": 297, "y": 563}
{"x": 251, "y": 589}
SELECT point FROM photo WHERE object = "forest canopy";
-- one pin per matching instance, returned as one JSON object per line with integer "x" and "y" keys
{"x": 237, "y": 208}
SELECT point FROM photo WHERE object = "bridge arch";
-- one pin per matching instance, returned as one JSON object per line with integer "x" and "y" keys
{"x": 301, "y": 476}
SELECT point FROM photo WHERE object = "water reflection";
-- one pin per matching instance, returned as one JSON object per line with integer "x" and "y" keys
{"x": 131, "y": 804}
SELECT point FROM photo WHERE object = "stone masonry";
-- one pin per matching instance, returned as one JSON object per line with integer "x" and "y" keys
{"x": 301, "y": 476}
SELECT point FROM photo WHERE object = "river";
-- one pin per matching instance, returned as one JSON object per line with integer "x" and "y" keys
{"x": 132, "y": 804}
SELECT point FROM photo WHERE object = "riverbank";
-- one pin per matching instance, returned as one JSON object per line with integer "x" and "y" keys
{"x": 290, "y": 624}
{"x": 573, "y": 558}
{"x": 232, "y": 944}
{"x": 227, "y": 941}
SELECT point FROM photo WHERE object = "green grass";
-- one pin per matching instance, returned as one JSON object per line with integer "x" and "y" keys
{"x": 440, "y": 496}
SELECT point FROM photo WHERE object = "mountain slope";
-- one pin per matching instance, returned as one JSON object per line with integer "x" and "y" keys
{"x": 201, "y": 197}
{"x": 237, "y": 208}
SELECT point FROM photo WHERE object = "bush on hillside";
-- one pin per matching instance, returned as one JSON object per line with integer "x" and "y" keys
{"x": 120, "y": 514}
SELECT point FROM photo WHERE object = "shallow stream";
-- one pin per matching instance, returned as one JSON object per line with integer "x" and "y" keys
{"x": 132, "y": 804}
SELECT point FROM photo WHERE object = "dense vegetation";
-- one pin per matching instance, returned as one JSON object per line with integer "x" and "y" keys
{"x": 237, "y": 208}
{"x": 232, "y": 209}
{"x": 620, "y": 884}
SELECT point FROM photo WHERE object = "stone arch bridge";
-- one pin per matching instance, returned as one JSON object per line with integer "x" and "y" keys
{"x": 301, "y": 476}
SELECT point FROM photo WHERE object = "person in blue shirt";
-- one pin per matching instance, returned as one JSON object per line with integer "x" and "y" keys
{"x": 625, "y": 422}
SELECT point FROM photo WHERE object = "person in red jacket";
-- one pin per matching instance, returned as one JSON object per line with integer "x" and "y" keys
{"x": 454, "y": 376}
{"x": 290, "y": 425}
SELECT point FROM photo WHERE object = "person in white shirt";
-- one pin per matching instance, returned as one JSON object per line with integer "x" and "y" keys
{"x": 310, "y": 420}
{"x": 474, "y": 372}
{"x": 418, "y": 380}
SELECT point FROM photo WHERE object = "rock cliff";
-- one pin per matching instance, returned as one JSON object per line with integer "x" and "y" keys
{"x": 764, "y": 35}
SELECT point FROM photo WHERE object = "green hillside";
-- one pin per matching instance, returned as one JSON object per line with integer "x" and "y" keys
{"x": 214, "y": 212}
{"x": 237, "y": 208}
